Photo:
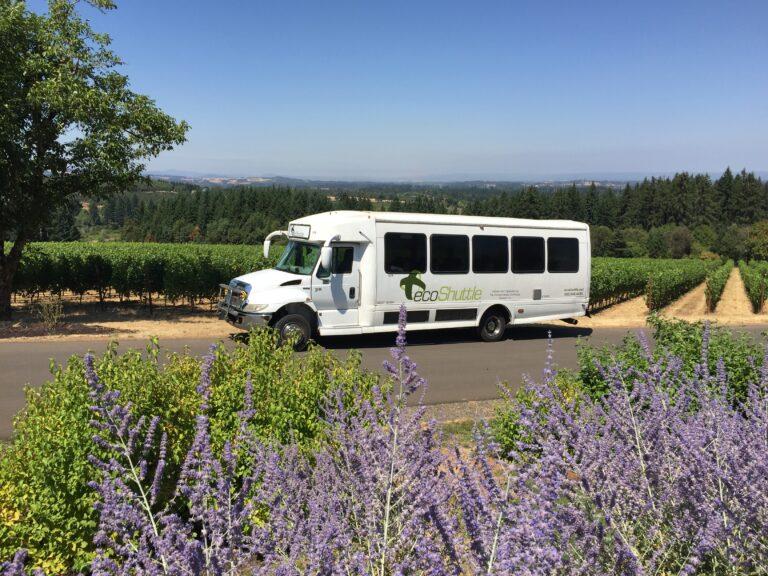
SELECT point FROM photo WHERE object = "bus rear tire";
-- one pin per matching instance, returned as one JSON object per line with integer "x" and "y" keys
{"x": 296, "y": 327}
{"x": 492, "y": 326}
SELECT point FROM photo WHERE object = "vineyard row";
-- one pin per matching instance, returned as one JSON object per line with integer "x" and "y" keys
{"x": 755, "y": 277}
{"x": 178, "y": 271}
{"x": 661, "y": 281}
{"x": 193, "y": 272}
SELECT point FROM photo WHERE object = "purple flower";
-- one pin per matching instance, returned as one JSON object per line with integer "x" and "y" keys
{"x": 663, "y": 474}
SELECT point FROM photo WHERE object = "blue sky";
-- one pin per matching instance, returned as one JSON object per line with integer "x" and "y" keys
{"x": 425, "y": 89}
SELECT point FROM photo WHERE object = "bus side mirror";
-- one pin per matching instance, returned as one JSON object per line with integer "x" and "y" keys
{"x": 325, "y": 257}
{"x": 268, "y": 240}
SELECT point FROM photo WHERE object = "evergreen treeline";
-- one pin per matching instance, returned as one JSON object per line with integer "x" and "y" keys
{"x": 657, "y": 217}
{"x": 685, "y": 199}
{"x": 221, "y": 216}
{"x": 241, "y": 215}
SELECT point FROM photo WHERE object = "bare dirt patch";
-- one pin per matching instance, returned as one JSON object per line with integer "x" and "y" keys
{"x": 630, "y": 313}
{"x": 127, "y": 320}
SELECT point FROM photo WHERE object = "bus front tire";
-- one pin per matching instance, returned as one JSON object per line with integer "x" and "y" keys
{"x": 492, "y": 326}
{"x": 295, "y": 328}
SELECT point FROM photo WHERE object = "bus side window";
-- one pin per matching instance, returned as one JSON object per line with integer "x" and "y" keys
{"x": 405, "y": 253}
{"x": 527, "y": 255}
{"x": 490, "y": 254}
{"x": 563, "y": 255}
{"x": 449, "y": 254}
{"x": 341, "y": 262}
{"x": 342, "y": 259}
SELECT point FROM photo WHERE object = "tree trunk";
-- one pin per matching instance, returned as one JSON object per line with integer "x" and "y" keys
{"x": 5, "y": 298}
{"x": 9, "y": 263}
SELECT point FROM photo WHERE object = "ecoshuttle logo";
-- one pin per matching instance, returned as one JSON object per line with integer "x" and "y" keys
{"x": 407, "y": 284}
{"x": 415, "y": 289}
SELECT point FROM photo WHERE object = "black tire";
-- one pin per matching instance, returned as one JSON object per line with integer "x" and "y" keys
{"x": 492, "y": 326}
{"x": 294, "y": 326}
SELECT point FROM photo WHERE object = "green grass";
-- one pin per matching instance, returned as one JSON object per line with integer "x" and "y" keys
{"x": 459, "y": 433}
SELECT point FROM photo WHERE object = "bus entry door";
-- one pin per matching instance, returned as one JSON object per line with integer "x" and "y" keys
{"x": 336, "y": 293}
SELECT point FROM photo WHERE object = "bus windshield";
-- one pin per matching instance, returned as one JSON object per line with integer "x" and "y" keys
{"x": 299, "y": 258}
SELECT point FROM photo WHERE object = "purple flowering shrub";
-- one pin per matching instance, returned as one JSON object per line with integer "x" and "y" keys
{"x": 17, "y": 565}
{"x": 374, "y": 499}
{"x": 663, "y": 474}
{"x": 46, "y": 503}
{"x": 201, "y": 528}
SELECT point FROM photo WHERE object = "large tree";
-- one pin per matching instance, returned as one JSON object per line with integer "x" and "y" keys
{"x": 69, "y": 122}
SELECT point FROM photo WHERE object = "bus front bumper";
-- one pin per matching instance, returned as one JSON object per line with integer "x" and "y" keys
{"x": 241, "y": 319}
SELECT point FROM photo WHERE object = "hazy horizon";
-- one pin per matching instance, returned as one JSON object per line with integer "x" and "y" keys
{"x": 458, "y": 178}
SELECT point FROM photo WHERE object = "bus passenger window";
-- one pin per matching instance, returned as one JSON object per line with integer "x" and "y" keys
{"x": 490, "y": 254}
{"x": 527, "y": 255}
{"x": 449, "y": 254}
{"x": 563, "y": 255}
{"x": 405, "y": 253}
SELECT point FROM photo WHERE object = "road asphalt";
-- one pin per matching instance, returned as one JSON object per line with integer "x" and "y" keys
{"x": 456, "y": 365}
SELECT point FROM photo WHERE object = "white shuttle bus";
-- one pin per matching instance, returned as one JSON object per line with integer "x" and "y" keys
{"x": 346, "y": 272}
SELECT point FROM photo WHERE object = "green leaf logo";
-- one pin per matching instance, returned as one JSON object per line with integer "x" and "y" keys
{"x": 413, "y": 279}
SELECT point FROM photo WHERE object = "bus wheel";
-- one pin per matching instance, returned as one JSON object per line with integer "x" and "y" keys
{"x": 492, "y": 326}
{"x": 295, "y": 328}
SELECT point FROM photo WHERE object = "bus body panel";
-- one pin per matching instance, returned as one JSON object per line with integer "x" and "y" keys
{"x": 528, "y": 297}
{"x": 435, "y": 266}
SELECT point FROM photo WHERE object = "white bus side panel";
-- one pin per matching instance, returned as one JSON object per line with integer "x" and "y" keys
{"x": 528, "y": 297}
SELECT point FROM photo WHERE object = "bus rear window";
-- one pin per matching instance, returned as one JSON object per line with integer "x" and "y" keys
{"x": 562, "y": 255}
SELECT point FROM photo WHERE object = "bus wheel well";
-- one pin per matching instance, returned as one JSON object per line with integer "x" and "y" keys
{"x": 296, "y": 308}
{"x": 497, "y": 308}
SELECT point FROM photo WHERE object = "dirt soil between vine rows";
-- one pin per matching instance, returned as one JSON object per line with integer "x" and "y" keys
{"x": 734, "y": 309}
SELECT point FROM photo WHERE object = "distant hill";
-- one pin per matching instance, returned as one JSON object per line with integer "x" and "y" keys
{"x": 218, "y": 180}
{"x": 268, "y": 181}
{"x": 458, "y": 180}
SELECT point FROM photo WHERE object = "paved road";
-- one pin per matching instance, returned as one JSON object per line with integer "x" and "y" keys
{"x": 457, "y": 366}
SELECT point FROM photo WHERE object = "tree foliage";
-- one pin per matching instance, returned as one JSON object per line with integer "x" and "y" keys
{"x": 757, "y": 240}
{"x": 69, "y": 125}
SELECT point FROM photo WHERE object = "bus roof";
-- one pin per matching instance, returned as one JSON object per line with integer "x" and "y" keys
{"x": 346, "y": 217}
